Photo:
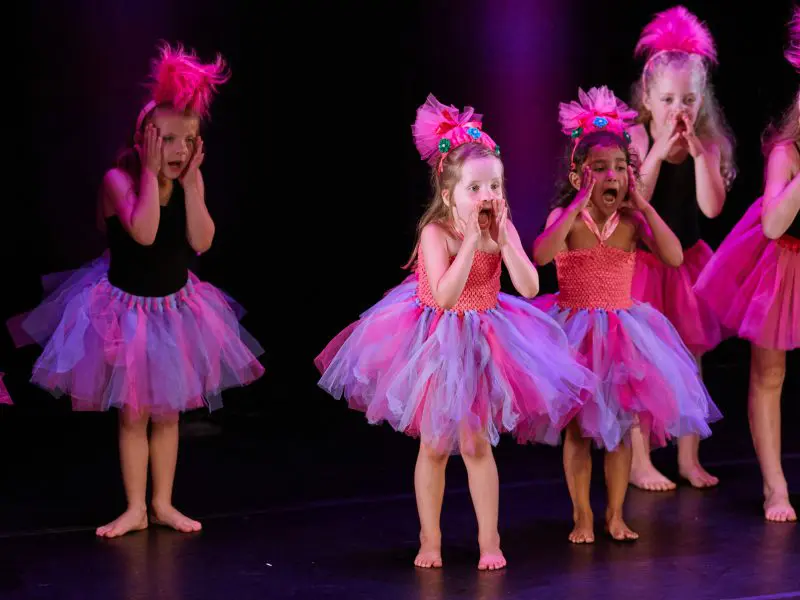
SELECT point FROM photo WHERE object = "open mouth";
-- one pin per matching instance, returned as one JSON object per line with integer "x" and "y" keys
{"x": 484, "y": 218}
{"x": 177, "y": 165}
{"x": 610, "y": 196}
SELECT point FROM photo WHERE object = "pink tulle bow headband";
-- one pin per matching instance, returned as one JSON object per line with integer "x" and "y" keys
{"x": 675, "y": 30}
{"x": 440, "y": 129}
{"x": 596, "y": 110}
{"x": 180, "y": 80}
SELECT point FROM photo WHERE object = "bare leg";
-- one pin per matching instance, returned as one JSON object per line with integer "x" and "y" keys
{"x": 644, "y": 475}
{"x": 578, "y": 471}
{"x": 617, "y": 471}
{"x": 133, "y": 455}
{"x": 689, "y": 465}
{"x": 484, "y": 486}
{"x": 429, "y": 488}
{"x": 163, "y": 458}
{"x": 767, "y": 372}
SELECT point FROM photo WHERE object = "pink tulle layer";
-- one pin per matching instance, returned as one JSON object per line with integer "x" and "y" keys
{"x": 753, "y": 285}
{"x": 447, "y": 378}
{"x": 670, "y": 291}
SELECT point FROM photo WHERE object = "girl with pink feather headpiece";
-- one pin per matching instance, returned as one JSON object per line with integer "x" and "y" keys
{"x": 646, "y": 376}
{"x": 753, "y": 286}
{"x": 136, "y": 330}
{"x": 446, "y": 356}
{"x": 687, "y": 167}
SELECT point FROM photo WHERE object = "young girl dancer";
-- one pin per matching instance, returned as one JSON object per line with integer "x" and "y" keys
{"x": 753, "y": 285}
{"x": 647, "y": 376}
{"x": 445, "y": 356}
{"x": 136, "y": 330}
{"x": 688, "y": 165}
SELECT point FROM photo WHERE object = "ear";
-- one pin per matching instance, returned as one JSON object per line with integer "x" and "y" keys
{"x": 575, "y": 180}
{"x": 446, "y": 197}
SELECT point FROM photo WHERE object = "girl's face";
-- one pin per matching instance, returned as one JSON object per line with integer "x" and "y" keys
{"x": 609, "y": 165}
{"x": 178, "y": 135}
{"x": 481, "y": 182}
{"x": 674, "y": 91}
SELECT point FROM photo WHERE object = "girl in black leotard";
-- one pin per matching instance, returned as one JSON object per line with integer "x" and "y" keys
{"x": 753, "y": 285}
{"x": 687, "y": 155}
{"x": 136, "y": 330}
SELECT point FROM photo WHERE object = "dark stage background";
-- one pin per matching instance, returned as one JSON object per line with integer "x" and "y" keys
{"x": 316, "y": 187}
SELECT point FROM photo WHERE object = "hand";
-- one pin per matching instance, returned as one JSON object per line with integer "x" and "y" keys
{"x": 634, "y": 199}
{"x": 695, "y": 145}
{"x": 669, "y": 136}
{"x": 587, "y": 186}
{"x": 499, "y": 227}
{"x": 470, "y": 228}
{"x": 191, "y": 176}
{"x": 150, "y": 150}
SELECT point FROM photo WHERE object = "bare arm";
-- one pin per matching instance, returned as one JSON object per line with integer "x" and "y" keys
{"x": 199, "y": 224}
{"x": 653, "y": 231}
{"x": 447, "y": 280}
{"x": 560, "y": 221}
{"x": 781, "y": 193}
{"x": 709, "y": 185}
{"x": 523, "y": 273}
{"x": 139, "y": 214}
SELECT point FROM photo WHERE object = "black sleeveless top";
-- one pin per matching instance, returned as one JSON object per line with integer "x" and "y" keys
{"x": 157, "y": 270}
{"x": 794, "y": 228}
{"x": 675, "y": 199}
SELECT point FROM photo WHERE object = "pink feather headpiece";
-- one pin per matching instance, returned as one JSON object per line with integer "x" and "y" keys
{"x": 440, "y": 129}
{"x": 675, "y": 30}
{"x": 793, "y": 52}
{"x": 179, "y": 79}
{"x": 596, "y": 110}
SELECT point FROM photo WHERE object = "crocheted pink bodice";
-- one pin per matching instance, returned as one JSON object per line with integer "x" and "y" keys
{"x": 482, "y": 287}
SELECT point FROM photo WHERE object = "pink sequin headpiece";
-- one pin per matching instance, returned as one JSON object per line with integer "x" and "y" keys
{"x": 180, "y": 80}
{"x": 440, "y": 129}
{"x": 596, "y": 110}
{"x": 793, "y": 53}
{"x": 675, "y": 30}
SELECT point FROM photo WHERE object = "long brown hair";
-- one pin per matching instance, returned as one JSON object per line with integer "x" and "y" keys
{"x": 438, "y": 211}
{"x": 711, "y": 123}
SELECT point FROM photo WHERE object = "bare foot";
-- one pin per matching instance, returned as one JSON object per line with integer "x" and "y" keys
{"x": 617, "y": 529}
{"x": 169, "y": 516}
{"x": 430, "y": 552}
{"x": 492, "y": 558}
{"x": 777, "y": 507}
{"x": 583, "y": 532}
{"x": 647, "y": 477}
{"x": 698, "y": 476}
{"x": 133, "y": 519}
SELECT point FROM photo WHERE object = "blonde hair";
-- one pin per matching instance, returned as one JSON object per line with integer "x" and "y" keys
{"x": 438, "y": 211}
{"x": 711, "y": 124}
{"x": 786, "y": 131}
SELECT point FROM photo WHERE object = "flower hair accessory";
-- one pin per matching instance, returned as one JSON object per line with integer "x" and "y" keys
{"x": 793, "y": 52}
{"x": 675, "y": 30}
{"x": 440, "y": 129}
{"x": 596, "y": 110}
{"x": 180, "y": 80}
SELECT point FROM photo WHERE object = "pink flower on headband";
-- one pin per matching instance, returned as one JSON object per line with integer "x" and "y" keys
{"x": 180, "y": 80}
{"x": 793, "y": 52}
{"x": 596, "y": 110}
{"x": 676, "y": 30}
{"x": 440, "y": 129}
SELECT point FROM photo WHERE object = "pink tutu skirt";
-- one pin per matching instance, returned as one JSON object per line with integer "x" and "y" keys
{"x": 108, "y": 349}
{"x": 446, "y": 377}
{"x": 753, "y": 285}
{"x": 4, "y": 397}
{"x": 645, "y": 374}
{"x": 670, "y": 291}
